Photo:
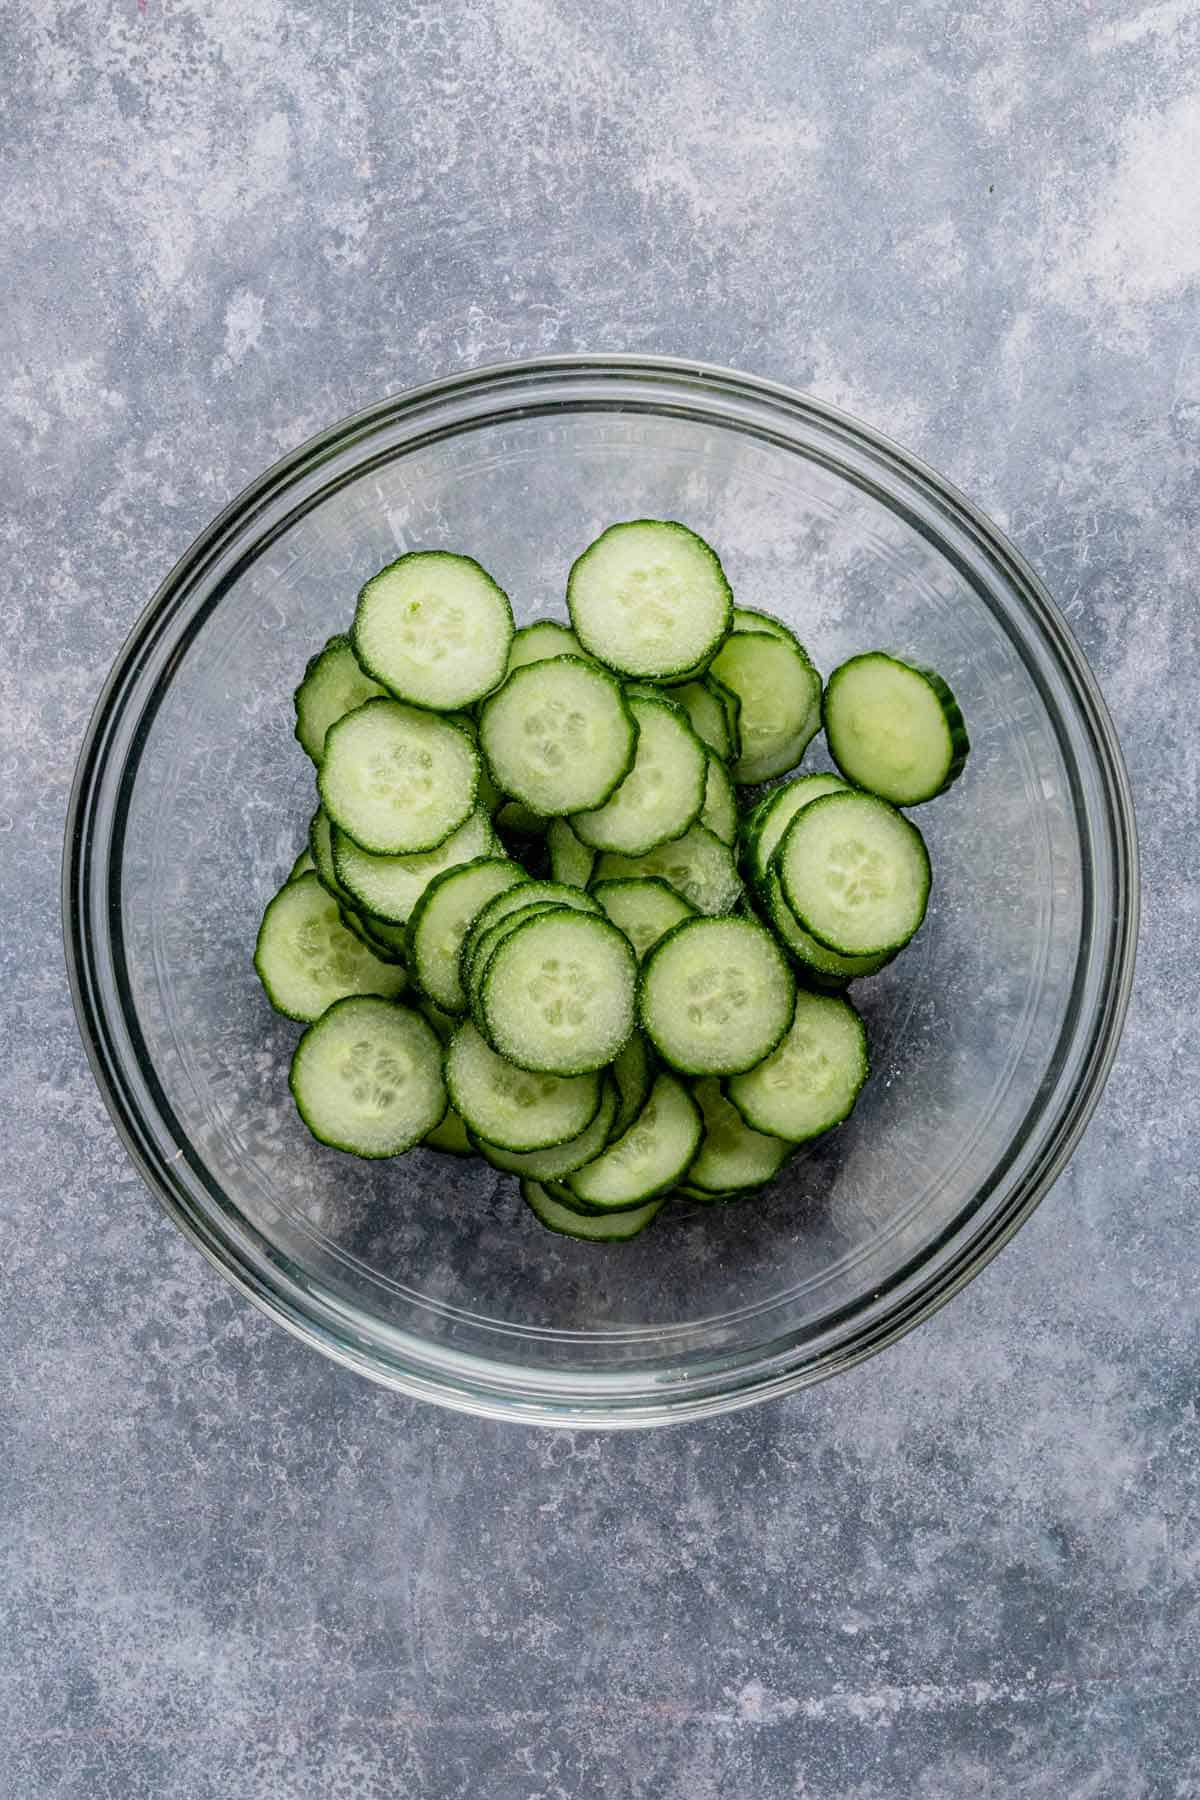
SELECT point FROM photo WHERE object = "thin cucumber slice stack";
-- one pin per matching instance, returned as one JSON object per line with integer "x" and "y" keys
{"x": 664, "y": 1012}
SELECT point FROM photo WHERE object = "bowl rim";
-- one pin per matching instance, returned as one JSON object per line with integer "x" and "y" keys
{"x": 780, "y": 1366}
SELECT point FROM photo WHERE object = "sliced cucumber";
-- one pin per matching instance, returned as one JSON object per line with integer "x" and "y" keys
{"x": 306, "y": 958}
{"x": 697, "y": 865}
{"x": 606, "y": 1228}
{"x": 780, "y": 695}
{"x": 716, "y": 996}
{"x": 651, "y": 1154}
{"x": 303, "y": 863}
{"x": 510, "y": 1107}
{"x": 388, "y": 887}
{"x": 732, "y": 1157}
{"x": 644, "y": 907}
{"x": 557, "y": 995}
{"x": 540, "y": 641}
{"x": 649, "y": 598}
{"x": 334, "y": 684}
{"x": 397, "y": 780}
{"x": 320, "y": 845}
{"x": 894, "y": 728}
{"x": 662, "y": 793}
{"x": 855, "y": 873}
{"x": 633, "y": 1072}
{"x": 719, "y": 812}
{"x": 558, "y": 735}
{"x": 389, "y": 939}
{"x": 532, "y": 893}
{"x": 709, "y": 718}
{"x": 749, "y": 618}
{"x": 435, "y": 629}
{"x": 367, "y": 1077}
{"x": 442, "y": 917}
{"x": 810, "y": 1083}
{"x": 357, "y": 926}
{"x": 819, "y": 967}
{"x": 765, "y": 825}
{"x": 571, "y": 862}
{"x": 450, "y": 1136}
{"x": 489, "y": 941}
{"x": 552, "y": 1165}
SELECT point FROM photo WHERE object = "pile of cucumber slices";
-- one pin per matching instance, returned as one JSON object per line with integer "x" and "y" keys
{"x": 540, "y": 918}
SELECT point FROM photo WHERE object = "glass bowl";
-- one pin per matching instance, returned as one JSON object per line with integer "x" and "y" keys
{"x": 991, "y": 1036}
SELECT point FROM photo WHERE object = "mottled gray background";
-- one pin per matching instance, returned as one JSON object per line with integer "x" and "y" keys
{"x": 230, "y": 1572}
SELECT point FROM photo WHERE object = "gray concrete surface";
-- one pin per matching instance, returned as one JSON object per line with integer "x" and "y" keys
{"x": 971, "y": 1569}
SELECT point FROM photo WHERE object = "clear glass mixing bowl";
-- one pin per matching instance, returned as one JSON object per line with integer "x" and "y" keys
{"x": 991, "y": 1036}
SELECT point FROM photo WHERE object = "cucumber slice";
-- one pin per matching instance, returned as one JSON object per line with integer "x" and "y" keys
{"x": 540, "y": 641}
{"x": 489, "y": 941}
{"x": 570, "y": 861}
{"x": 894, "y": 728}
{"x": 389, "y": 940}
{"x": 442, "y": 917}
{"x": 662, "y": 793}
{"x": 320, "y": 845}
{"x": 766, "y": 824}
{"x": 557, "y": 994}
{"x": 649, "y": 598}
{"x": 780, "y": 694}
{"x": 819, "y": 967}
{"x": 306, "y": 958}
{"x": 651, "y": 1154}
{"x": 367, "y": 1078}
{"x": 697, "y": 865}
{"x": 719, "y": 812}
{"x": 709, "y": 719}
{"x": 450, "y": 1136}
{"x": 733, "y": 1158}
{"x": 510, "y": 1107}
{"x": 532, "y": 893}
{"x": 633, "y": 1072}
{"x": 303, "y": 863}
{"x": 558, "y": 735}
{"x": 396, "y": 780}
{"x": 388, "y": 887}
{"x": 716, "y": 996}
{"x": 357, "y": 926}
{"x": 334, "y": 684}
{"x": 750, "y": 618}
{"x": 855, "y": 873}
{"x": 435, "y": 629}
{"x": 608, "y": 1228}
{"x": 810, "y": 1083}
{"x": 644, "y": 907}
{"x": 551, "y": 1165}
